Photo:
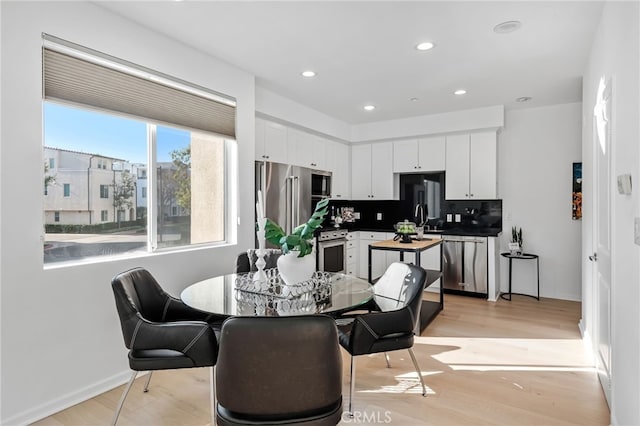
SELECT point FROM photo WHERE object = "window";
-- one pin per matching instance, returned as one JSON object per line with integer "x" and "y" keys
{"x": 189, "y": 175}
{"x": 56, "y": 216}
{"x": 67, "y": 189}
{"x": 52, "y": 163}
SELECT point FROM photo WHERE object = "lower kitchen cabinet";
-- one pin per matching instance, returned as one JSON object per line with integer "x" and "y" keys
{"x": 379, "y": 258}
{"x": 352, "y": 253}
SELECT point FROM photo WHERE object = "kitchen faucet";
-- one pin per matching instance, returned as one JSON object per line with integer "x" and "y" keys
{"x": 419, "y": 214}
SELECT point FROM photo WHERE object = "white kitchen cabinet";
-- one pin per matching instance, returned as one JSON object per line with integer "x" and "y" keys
{"x": 307, "y": 150}
{"x": 419, "y": 155}
{"x": 271, "y": 141}
{"x": 471, "y": 166}
{"x": 378, "y": 258}
{"x": 339, "y": 164}
{"x": 372, "y": 171}
{"x": 352, "y": 253}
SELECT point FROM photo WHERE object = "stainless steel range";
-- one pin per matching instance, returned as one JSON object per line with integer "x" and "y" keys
{"x": 332, "y": 250}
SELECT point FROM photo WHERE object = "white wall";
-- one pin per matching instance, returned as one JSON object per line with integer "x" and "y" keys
{"x": 447, "y": 122}
{"x": 536, "y": 150}
{"x": 615, "y": 53}
{"x": 61, "y": 339}
{"x": 273, "y": 105}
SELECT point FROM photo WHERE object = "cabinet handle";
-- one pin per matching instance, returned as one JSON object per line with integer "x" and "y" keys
{"x": 471, "y": 195}
{"x": 466, "y": 195}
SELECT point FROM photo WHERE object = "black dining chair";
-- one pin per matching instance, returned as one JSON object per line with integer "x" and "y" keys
{"x": 279, "y": 370}
{"x": 391, "y": 323}
{"x": 160, "y": 331}
{"x": 246, "y": 261}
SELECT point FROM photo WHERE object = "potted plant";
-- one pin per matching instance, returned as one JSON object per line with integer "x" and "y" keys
{"x": 295, "y": 265}
{"x": 515, "y": 246}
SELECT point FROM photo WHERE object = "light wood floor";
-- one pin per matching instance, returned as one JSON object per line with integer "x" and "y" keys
{"x": 504, "y": 363}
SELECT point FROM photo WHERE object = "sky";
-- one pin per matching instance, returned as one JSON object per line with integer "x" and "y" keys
{"x": 114, "y": 136}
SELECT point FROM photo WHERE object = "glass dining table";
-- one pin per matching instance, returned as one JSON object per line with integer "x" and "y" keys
{"x": 240, "y": 295}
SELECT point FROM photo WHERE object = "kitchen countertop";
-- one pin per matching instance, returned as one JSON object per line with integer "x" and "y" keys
{"x": 472, "y": 232}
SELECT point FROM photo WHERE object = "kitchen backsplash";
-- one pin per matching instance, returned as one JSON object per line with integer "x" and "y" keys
{"x": 384, "y": 214}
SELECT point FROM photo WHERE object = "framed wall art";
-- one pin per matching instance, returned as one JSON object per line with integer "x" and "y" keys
{"x": 577, "y": 192}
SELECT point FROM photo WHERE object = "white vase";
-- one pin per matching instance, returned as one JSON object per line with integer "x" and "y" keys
{"x": 294, "y": 269}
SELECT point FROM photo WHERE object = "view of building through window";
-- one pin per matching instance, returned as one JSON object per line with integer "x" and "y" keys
{"x": 98, "y": 185}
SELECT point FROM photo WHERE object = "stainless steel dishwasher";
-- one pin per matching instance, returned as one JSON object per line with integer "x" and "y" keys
{"x": 465, "y": 265}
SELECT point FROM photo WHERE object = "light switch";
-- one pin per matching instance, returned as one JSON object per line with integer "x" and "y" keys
{"x": 636, "y": 230}
{"x": 356, "y": 215}
{"x": 378, "y": 216}
{"x": 458, "y": 218}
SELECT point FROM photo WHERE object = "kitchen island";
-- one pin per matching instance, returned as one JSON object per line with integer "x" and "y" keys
{"x": 429, "y": 309}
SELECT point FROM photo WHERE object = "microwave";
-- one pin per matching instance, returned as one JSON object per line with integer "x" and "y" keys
{"x": 320, "y": 184}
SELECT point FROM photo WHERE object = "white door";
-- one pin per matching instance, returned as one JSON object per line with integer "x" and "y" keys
{"x": 601, "y": 257}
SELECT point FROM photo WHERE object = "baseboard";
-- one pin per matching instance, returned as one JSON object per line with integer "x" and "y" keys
{"x": 48, "y": 408}
{"x": 587, "y": 342}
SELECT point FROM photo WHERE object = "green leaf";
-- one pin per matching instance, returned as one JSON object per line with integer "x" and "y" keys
{"x": 273, "y": 232}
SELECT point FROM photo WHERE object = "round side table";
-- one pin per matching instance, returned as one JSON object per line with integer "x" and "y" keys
{"x": 525, "y": 256}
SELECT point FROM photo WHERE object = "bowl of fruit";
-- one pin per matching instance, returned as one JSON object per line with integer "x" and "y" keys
{"x": 404, "y": 231}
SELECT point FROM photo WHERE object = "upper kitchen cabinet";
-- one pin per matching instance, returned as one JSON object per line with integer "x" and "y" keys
{"x": 471, "y": 166}
{"x": 307, "y": 150}
{"x": 372, "y": 171}
{"x": 339, "y": 164}
{"x": 419, "y": 155}
{"x": 271, "y": 141}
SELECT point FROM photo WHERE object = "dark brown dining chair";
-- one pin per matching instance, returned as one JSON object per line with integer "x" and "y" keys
{"x": 392, "y": 320}
{"x": 279, "y": 370}
{"x": 246, "y": 261}
{"x": 160, "y": 331}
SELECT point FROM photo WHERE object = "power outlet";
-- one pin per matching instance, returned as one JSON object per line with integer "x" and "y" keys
{"x": 378, "y": 216}
{"x": 449, "y": 217}
{"x": 636, "y": 230}
{"x": 458, "y": 218}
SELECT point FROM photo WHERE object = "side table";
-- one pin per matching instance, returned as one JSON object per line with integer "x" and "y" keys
{"x": 525, "y": 256}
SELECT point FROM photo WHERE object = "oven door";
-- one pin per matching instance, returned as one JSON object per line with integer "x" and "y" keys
{"x": 332, "y": 256}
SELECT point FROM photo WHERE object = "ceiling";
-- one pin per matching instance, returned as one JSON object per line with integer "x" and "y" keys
{"x": 364, "y": 51}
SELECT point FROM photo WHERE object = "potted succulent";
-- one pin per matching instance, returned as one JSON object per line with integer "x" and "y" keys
{"x": 515, "y": 246}
{"x": 295, "y": 265}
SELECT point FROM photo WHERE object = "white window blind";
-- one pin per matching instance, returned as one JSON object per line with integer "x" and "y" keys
{"x": 70, "y": 78}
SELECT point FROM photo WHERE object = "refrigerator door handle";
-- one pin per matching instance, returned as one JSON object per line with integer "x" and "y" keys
{"x": 295, "y": 219}
{"x": 293, "y": 204}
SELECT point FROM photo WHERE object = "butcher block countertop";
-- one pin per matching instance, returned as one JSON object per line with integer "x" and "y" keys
{"x": 423, "y": 244}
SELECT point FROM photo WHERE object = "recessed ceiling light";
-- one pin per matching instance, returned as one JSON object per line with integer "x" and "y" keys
{"x": 524, "y": 99}
{"x": 369, "y": 107}
{"x": 308, "y": 73}
{"x": 507, "y": 27}
{"x": 427, "y": 45}
{"x": 414, "y": 99}
{"x": 460, "y": 92}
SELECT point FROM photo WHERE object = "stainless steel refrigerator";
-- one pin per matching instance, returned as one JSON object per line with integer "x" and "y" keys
{"x": 286, "y": 192}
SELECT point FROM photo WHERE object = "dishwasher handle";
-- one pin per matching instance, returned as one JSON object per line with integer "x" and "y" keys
{"x": 462, "y": 239}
